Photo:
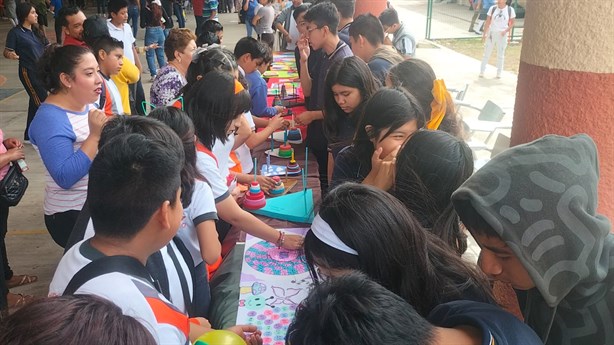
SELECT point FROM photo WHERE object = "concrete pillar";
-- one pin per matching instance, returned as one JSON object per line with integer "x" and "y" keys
{"x": 374, "y": 6}
{"x": 566, "y": 79}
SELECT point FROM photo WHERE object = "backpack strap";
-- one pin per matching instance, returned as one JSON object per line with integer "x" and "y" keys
{"x": 109, "y": 264}
{"x": 185, "y": 291}
{"x": 103, "y": 95}
{"x": 157, "y": 269}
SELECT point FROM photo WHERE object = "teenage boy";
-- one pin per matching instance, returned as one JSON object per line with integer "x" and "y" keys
{"x": 352, "y": 309}
{"x": 346, "y": 9}
{"x": 120, "y": 30}
{"x": 321, "y": 22}
{"x": 367, "y": 38}
{"x": 71, "y": 19}
{"x": 402, "y": 40}
{"x": 109, "y": 53}
{"x": 287, "y": 25}
{"x": 250, "y": 54}
{"x": 533, "y": 211}
{"x": 136, "y": 211}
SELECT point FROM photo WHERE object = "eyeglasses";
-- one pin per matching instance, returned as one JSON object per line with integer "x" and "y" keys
{"x": 310, "y": 30}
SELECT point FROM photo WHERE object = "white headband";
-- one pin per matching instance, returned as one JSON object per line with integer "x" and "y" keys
{"x": 325, "y": 233}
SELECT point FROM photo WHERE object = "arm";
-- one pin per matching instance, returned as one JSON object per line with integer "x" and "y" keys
{"x": 304, "y": 51}
{"x": 256, "y": 19}
{"x": 280, "y": 21}
{"x": 210, "y": 246}
{"x": 229, "y": 211}
{"x": 11, "y": 155}
{"x": 243, "y": 133}
{"x": 259, "y": 104}
{"x": 257, "y": 138}
{"x": 10, "y": 54}
{"x": 137, "y": 60}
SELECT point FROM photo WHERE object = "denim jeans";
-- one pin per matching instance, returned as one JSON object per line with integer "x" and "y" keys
{"x": 133, "y": 18}
{"x": 248, "y": 26}
{"x": 155, "y": 35}
{"x": 179, "y": 14}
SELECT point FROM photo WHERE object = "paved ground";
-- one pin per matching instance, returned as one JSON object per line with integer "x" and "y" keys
{"x": 31, "y": 249}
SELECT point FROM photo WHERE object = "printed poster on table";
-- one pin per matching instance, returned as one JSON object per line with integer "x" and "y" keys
{"x": 273, "y": 282}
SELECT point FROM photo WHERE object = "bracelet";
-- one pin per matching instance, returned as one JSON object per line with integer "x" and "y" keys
{"x": 280, "y": 240}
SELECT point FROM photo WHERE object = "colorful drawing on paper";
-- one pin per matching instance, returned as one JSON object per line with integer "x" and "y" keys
{"x": 274, "y": 281}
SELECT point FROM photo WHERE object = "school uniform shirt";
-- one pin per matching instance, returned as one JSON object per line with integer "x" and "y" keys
{"x": 135, "y": 296}
{"x": 113, "y": 102}
{"x": 258, "y": 90}
{"x": 348, "y": 168}
{"x": 57, "y": 135}
{"x": 201, "y": 209}
{"x": 27, "y": 45}
{"x": 243, "y": 152}
{"x": 125, "y": 35}
{"x": 222, "y": 152}
{"x": 207, "y": 165}
{"x": 404, "y": 42}
{"x": 498, "y": 327}
{"x": 315, "y": 137}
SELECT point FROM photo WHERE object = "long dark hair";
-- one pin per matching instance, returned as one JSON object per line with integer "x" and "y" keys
{"x": 181, "y": 123}
{"x": 387, "y": 108}
{"x": 417, "y": 77}
{"x": 350, "y": 72}
{"x": 429, "y": 168}
{"x": 208, "y": 60}
{"x": 393, "y": 249}
{"x": 22, "y": 11}
{"x": 73, "y": 320}
{"x": 212, "y": 104}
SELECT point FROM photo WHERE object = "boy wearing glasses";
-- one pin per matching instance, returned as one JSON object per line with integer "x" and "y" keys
{"x": 321, "y": 22}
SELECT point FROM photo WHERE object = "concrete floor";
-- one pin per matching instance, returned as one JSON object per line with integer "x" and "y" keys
{"x": 30, "y": 248}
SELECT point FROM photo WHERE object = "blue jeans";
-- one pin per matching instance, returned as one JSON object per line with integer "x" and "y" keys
{"x": 155, "y": 35}
{"x": 133, "y": 18}
{"x": 179, "y": 14}
{"x": 248, "y": 26}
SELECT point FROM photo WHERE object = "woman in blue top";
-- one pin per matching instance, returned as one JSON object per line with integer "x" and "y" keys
{"x": 26, "y": 43}
{"x": 65, "y": 132}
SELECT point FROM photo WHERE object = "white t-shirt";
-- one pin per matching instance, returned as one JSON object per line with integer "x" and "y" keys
{"x": 118, "y": 108}
{"x": 500, "y": 17}
{"x": 136, "y": 297}
{"x": 202, "y": 208}
{"x": 243, "y": 152}
{"x": 294, "y": 34}
{"x": 222, "y": 152}
{"x": 207, "y": 165}
{"x": 174, "y": 283}
{"x": 123, "y": 34}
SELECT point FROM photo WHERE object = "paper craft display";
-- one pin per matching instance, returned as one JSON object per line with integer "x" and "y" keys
{"x": 273, "y": 283}
{"x": 295, "y": 207}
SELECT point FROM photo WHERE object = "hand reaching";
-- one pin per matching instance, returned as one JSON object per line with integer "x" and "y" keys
{"x": 293, "y": 242}
{"x": 96, "y": 120}
{"x": 303, "y": 48}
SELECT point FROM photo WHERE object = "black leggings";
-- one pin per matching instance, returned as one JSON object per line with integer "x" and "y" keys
{"x": 60, "y": 225}
{"x": 36, "y": 91}
{"x": 322, "y": 159}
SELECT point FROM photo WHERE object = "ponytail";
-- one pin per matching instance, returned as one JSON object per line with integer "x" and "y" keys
{"x": 57, "y": 60}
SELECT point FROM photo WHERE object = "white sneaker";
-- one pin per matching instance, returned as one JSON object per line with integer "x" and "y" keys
{"x": 481, "y": 75}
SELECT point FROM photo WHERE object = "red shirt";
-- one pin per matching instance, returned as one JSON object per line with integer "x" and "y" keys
{"x": 197, "y": 6}
{"x": 70, "y": 41}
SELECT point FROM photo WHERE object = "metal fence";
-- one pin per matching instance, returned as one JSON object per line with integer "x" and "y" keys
{"x": 455, "y": 18}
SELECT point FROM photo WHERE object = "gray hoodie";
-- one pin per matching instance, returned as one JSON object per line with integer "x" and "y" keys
{"x": 541, "y": 198}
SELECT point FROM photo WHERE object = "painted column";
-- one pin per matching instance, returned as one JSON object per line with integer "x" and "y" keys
{"x": 566, "y": 79}
{"x": 374, "y": 6}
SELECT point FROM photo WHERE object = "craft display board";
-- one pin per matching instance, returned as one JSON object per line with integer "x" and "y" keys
{"x": 273, "y": 282}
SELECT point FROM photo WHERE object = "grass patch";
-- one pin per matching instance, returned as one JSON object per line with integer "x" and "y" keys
{"x": 475, "y": 48}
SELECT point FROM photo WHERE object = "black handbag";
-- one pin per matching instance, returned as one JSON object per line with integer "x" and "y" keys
{"x": 13, "y": 186}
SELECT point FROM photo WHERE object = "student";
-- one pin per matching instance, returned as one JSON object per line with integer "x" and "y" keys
{"x": 367, "y": 39}
{"x": 26, "y": 43}
{"x": 263, "y": 22}
{"x": 109, "y": 53}
{"x": 402, "y": 40}
{"x": 387, "y": 243}
{"x": 314, "y": 55}
{"x": 287, "y": 25}
{"x": 419, "y": 79}
{"x": 216, "y": 113}
{"x": 349, "y": 85}
{"x": 250, "y": 54}
{"x": 212, "y": 32}
{"x": 346, "y": 10}
{"x": 353, "y": 309}
{"x": 429, "y": 168}
{"x": 390, "y": 117}
{"x": 533, "y": 211}
{"x": 500, "y": 21}
{"x": 78, "y": 319}
{"x": 321, "y": 22}
{"x": 197, "y": 230}
{"x": 65, "y": 133}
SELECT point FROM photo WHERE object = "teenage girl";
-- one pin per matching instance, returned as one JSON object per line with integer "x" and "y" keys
{"x": 387, "y": 243}
{"x": 419, "y": 79}
{"x": 216, "y": 113}
{"x": 389, "y": 119}
{"x": 429, "y": 168}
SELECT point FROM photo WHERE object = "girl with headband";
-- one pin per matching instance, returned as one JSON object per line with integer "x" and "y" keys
{"x": 387, "y": 243}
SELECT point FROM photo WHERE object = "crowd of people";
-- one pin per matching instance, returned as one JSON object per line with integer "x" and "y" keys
{"x": 142, "y": 204}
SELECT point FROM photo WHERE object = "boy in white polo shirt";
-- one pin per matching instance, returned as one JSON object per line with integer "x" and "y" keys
{"x": 500, "y": 20}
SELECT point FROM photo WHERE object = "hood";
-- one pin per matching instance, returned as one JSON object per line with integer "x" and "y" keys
{"x": 387, "y": 53}
{"x": 541, "y": 198}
